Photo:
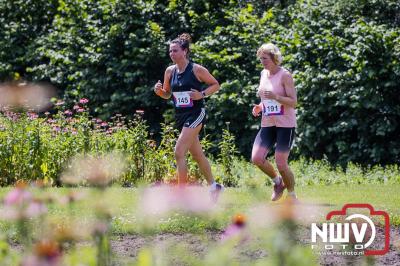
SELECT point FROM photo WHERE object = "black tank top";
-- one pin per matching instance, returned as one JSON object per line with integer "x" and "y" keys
{"x": 181, "y": 84}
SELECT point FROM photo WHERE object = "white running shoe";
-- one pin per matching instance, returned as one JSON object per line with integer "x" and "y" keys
{"x": 215, "y": 191}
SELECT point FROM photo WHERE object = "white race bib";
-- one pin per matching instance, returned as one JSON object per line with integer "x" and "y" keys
{"x": 272, "y": 107}
{"x": 182, "y": 99}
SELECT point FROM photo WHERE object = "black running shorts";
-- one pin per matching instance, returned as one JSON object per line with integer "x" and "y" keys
{"x": 283, "y": 137}
{"x": 190, "y": 119}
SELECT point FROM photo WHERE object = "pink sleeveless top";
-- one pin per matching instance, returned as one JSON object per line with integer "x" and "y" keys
{"x": 287, "y": 115}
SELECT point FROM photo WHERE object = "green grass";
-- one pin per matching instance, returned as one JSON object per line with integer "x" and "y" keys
{"x": 122, "y": 204}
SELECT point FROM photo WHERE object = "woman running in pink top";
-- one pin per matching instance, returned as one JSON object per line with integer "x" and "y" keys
{"x": 278, "y": 122}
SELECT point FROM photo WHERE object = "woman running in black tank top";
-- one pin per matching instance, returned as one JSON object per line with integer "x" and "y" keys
{"x": 183, "y": 81}
{"x": 188, "y": 112}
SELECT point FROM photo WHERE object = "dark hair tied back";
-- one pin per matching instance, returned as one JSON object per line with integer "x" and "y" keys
{"x": 185, "y": 37}
{"x": 183, "y": 41}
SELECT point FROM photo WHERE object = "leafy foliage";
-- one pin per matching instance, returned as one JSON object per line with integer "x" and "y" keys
{"x": 343, "y": 54}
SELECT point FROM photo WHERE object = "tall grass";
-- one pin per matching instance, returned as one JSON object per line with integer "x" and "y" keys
{"x": 34, "y": 147}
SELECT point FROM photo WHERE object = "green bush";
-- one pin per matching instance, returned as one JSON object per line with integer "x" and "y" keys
{"x": 346, "y": 74}
{"x": 343, "y": 54}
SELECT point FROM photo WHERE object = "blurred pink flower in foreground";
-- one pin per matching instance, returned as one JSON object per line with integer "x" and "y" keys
{"x": 162, "y": 199}
{"x": 35, "y": 96}
{"x": 17, "y": 196}
{"x": 236, "y": 229}
{"x": 71, "y": 197}
{"x": 98, "y": 171}
{"x": 20, "y": 204}
{"x": 267, "y": 215}
{"x": 45, "y": 253}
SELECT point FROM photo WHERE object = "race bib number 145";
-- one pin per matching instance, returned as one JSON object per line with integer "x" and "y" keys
{"x": 272, "y": 107}
{"x": 182, "y": 99}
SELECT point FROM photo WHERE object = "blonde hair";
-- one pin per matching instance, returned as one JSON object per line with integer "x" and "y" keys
{"x": 273, "y": 50}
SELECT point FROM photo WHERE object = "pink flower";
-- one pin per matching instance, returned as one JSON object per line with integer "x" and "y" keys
{"x": 83, "y": 101}
{"x": 104, "y": 124}
{"x": 32, "y": 116}
{"x": 231, "y": 231}
{"x": 17, "y": 196}
{"x": 45, "y": 252}
{"x": 56, "y": 129}
{"x": 80, "y": 110}
{"x": 35, "y": 208}
{"x": 76, "y": 107}
{"x": 59, "y": 103}
{"x": 236, "y": 229}
{"x": 20, "y": 204}
{"x": 162, "y": 199}
{"x": 140, "y": 112}
{"x": 68, "y": 112}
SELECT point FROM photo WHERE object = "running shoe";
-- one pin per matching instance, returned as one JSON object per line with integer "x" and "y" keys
{"x": 278, "y": 191}
{"x": 215, "y": 191}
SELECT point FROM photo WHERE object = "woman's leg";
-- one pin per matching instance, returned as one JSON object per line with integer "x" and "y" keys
{"x": 185, "y": 140}
{"x": 284, "y": 142}
{"x": 198, "y": 155}
{"x": 281, "y": 159}
{"x": 262, "y": 144}
{"x": 264, "y": 141}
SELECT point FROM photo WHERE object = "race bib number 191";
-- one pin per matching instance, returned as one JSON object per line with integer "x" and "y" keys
{"x": 182, "y": 99}
{"x": 272, "y": 107}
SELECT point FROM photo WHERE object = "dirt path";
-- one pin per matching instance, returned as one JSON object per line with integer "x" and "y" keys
{"x": 128, "y": 246}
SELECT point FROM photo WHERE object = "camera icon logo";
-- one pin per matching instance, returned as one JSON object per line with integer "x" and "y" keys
{"x": 354, "y": 231}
